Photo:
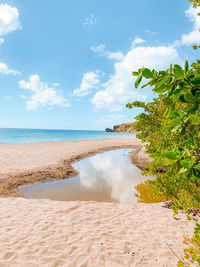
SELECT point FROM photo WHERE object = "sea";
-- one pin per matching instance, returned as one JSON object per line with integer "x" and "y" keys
{"x": 18, "y": 135}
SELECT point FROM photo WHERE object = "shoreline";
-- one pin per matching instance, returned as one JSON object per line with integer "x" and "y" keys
{"x": 62, "y": 165}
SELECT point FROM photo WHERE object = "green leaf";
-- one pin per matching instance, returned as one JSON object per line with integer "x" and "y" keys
{"x": 168, "y": 112}
{"x": 175, "y": 122}
{"x": 196, "y": 173}
{"x": 171, "y": 155}
{"x": 182, "y": 170}
{"x": 129, "y": 105}
{"x": 190, "y": 74}
{"x": 191, "y": 143}
{"x": 171, "y": 68}
{"x": 176, "y": 115}
{"x": 181, "y": 113}
{"x": 171, "y": 91}
{"x": 138, "y": 80}
{"x": 154, "y": 73}
{"x": 161, "y": 81}
{"x": 188, "y": 217}
{"x": 182, "y": 99}
{"x": 197, "y": 167}
{"x": 196, "y": 79}
{"x": 178, "y": 72}
{"x": 177, "y": 91}
{"x": 155, "y": 155}
{"x": 167, "y": 101}
{"x": 194, "y": 120}
{"x": 183, "y": 130}
{"x": 197, "y": 95}
{"x": 193, "y": 109}
{"x": 185, "y": 163}
{"x": 134, "y": 73}
{"x": 161, "y": 90}
{"x": 186, "y": 65}
{"x": 147, "y": 73}
{"x": 189, "y": 98}
{"x": 162, "y": 73}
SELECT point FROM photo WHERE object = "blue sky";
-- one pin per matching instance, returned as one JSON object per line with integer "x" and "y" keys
{"x": 67, "y": 64}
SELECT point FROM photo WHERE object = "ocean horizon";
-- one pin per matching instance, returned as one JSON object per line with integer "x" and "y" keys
{"x": 26, "y": 135}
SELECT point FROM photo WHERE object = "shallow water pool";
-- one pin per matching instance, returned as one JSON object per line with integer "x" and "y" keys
{"x": 107, "y": 177}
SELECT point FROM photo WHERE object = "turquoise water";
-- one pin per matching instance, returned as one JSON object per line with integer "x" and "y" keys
{"x": 14, "y": 136}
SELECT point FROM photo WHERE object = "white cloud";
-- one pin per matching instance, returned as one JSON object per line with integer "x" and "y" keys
{"x": 101, "y": 51}
{"x": 43, "y": 94}
{"x": 9, "y": 19}
{"x": 191, "y": 38}
{"x": 91, "y": 20}
{"x": 191, "y": 13}
{"x": 119, "y": 89}
{"x": 137, "y": 41}
{"x": 56, "y": 84}
{"x": 90, "y": 81}
{"x": 115, "y": 55}
{"x": 194, "y": 36}
{"x": 5, "y": 70}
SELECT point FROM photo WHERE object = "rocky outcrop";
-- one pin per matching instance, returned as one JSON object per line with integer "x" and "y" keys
{"x": 124, "y": 127}
{"x": 116, "y": 127}
{"x": 109, "y": 130}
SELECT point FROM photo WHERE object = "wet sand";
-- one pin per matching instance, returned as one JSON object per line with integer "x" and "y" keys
{"x": 79, "y": 233}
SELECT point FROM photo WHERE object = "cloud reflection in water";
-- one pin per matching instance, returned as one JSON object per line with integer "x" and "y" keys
{"x": 113, "y": 174}
{"x": 108, "y": 177}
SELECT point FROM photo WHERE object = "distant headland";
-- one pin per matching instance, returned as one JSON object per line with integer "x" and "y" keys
{"x": 124, "y": 127}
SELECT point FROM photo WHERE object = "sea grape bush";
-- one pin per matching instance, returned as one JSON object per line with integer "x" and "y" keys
{"x": 170, "y": 125}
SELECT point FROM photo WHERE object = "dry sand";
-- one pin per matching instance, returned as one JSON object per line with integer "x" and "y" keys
{"x": 54, "y": 233}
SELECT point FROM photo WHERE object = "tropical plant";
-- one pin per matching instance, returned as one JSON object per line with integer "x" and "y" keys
{"x": 170, "y": 126}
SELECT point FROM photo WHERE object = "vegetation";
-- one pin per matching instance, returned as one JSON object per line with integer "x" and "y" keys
{"x": 170, "y": 125}
{"x": 126, "y": 127}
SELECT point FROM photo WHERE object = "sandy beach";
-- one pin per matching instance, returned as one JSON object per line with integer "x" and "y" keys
{"x": 78, "y": 233}
{"x": 33, "y": 163}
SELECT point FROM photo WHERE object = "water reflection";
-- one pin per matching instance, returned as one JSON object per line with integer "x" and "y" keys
{"x": 108, "y": 177}
{"x": 146, "y": 194}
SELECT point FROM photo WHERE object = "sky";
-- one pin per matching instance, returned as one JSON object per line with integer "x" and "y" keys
{"x": 67, "y": 64}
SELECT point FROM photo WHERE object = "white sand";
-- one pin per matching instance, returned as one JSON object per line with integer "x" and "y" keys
{"x": 54, "y": 233}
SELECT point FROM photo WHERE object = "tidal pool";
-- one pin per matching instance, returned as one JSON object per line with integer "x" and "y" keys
{"x": 107, "y": 177}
